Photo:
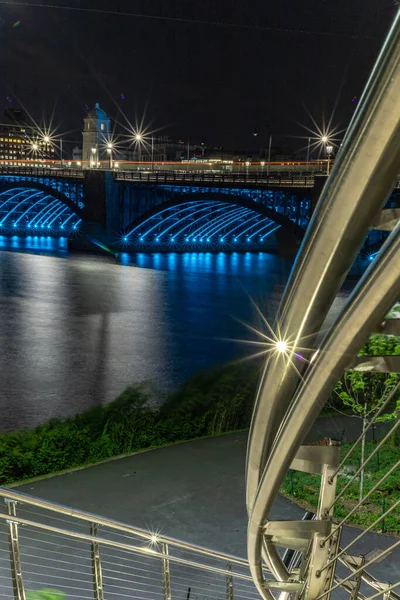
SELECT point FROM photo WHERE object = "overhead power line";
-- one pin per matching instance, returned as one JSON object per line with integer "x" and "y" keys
{"x": 180, "y": 19}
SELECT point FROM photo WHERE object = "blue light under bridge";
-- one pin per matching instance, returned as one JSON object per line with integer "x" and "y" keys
{"x": 201, "y": 224}
{"x": 27, "y": 210}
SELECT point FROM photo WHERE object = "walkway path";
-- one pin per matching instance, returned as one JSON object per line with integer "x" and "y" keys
{"x": 193, "y": 491}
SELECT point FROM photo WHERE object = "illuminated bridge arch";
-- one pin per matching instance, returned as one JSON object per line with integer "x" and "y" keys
{"x": 29, "y": 208}
{"x": 206, "y": 222}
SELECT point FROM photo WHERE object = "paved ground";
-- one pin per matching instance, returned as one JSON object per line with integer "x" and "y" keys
{"x": 192, "y": 491}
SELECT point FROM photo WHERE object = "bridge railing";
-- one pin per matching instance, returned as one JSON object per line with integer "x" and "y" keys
{"x": 242, "y": 178}
{"x": 41, "y": 172}
{"x": 44, "y": 545}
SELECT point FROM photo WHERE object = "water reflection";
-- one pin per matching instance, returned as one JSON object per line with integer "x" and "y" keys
{"x": 77, "y": 329}
{"x": 35, "y": 242}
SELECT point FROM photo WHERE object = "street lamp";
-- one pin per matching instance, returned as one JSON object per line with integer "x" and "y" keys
{"x": 109, "y": 152}
{"x": 94, "y": 150}
{"x": 269, "y": 150}
{"x": 50, "y": 140}
{"x": 329, "y": 150}
{"x": 34, "y": 148}
{"x": 308, "y": 150}
{"x": 138, "y": 137}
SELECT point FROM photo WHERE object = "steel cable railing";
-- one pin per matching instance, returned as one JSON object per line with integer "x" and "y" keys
{"x": 365, "y": 463}
{"x": 294, "y": 387}
{"x": 59, "y": 548}
{"x": 370, "y": 424}
{"x": 377, "y": 292}
{"x": 361, "y": 535}
{"x": 370, "y": 563}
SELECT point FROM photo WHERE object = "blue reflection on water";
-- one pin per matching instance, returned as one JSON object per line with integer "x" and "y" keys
{"x": 34, "y": 243}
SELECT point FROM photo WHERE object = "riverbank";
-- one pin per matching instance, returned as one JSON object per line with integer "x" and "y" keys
{"x": 210, "y": 403}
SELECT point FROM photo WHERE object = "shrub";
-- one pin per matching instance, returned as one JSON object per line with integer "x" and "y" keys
{"x": 45, "y": 595}
{"x": 210, "y": 403}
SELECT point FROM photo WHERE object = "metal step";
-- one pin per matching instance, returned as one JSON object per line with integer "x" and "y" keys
{"x": 376, "y": 364}
{"x": 313, "y": 459}
{"x": 284, "y": 586}
{"x": 295, "y": 534}
{"x": 389, "y": 327}
{"x": 386, "y": 220}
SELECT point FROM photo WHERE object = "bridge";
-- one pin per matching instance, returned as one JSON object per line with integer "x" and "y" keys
{"x": 163, "y": 209}
{"x": 157, "y": 209}
{"x": 84, "y": 555}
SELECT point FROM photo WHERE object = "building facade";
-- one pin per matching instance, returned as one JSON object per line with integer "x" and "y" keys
{"x": 22, "y": 144}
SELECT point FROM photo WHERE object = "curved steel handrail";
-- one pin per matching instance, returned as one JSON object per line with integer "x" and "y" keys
{"x": 375, "y": 295}
{"x": 363, "y": 176}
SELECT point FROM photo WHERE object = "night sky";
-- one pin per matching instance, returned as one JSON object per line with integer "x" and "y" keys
{"x": 196, "y": 80}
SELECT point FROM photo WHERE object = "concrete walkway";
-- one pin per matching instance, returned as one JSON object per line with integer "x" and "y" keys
{"x": 193, "y": 491}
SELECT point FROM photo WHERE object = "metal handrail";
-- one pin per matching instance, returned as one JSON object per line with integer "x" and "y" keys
{"x": 114, "y": 544}
{"x": 363, "y": 176}
{"x": 41, "y": 172}
{"x": 88, "y": 554}
{"x": 255, "y": 178}
{"x": 176, "y": 570}
{"x": 112, "y": 523}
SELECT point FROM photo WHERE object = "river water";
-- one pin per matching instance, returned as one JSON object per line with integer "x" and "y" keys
{"x": 76, "y": 330}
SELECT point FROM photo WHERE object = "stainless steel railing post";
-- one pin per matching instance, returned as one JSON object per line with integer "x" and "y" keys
{"x": 98, "y": 589}
{"x": 166, "y": 573}
{"x": 15, "y": 555}
{"x": 229, "y": 582}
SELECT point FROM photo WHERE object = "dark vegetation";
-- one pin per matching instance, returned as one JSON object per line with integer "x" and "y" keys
{"x": 210, "y": 403}
{"x": 216, "y": 401}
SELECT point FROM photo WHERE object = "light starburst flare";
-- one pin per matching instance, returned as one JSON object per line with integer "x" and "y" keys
{"x": 273, "y": 342}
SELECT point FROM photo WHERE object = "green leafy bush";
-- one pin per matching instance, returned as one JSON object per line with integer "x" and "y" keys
{"x": 45, "y": 595}
{"x": 210, "y": 403}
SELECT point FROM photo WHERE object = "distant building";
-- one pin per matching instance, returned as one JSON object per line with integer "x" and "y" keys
{"x": 159, "y": 149}
{"x": 21, "y": 143}
{"x": 77, "y": 154}
{"x": 96, "y": 133}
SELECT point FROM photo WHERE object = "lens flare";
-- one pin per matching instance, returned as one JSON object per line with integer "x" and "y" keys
{"x": 281, "y": 346}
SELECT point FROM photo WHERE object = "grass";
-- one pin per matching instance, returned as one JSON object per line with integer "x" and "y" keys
{"x": 303, "y": 488}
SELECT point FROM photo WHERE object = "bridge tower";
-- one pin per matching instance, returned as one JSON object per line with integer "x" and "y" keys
{"x": 96, "y": 132}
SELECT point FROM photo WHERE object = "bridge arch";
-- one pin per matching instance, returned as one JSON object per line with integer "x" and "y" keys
{"x": 27, "y": 207}
{"x": 40, "y": 186}
{"x": 208, "y": 217}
